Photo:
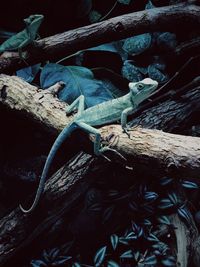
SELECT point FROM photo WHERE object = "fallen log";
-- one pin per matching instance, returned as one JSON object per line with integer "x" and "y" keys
{"x": 157, "y": 19}
{"x": 64, "y": 188}
{"x": 18, "y": 230}
{"x": 167, "y": 151}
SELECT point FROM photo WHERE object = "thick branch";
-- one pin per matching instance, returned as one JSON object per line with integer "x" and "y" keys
{"x": 37, "y": 104}
{"x": 167, "y": 153}
{"x": 18, "y": 230}
{"x": 157, "y": 19}
{"x": 145, "y": 147}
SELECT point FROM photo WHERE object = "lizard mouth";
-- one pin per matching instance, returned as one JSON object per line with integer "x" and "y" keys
{"x": 135, "y": 90}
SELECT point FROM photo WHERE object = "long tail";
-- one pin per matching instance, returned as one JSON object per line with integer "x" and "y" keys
{"x": 58, "y": 142}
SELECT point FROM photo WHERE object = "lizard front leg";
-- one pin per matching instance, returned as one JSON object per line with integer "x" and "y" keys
{"x": 79, "y": 102}
{"x": 124, "y": 116}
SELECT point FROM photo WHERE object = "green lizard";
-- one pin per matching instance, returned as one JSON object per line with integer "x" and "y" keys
{"x": 25, "y": 37}
{"x": 104, "y": 113}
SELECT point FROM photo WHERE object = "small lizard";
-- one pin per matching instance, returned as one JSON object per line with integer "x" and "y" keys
{"x": 25, "y": 37}
{"x": 104, "y": 113}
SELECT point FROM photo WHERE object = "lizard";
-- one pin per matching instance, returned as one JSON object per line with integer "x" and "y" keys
{"x": 24, "y": 37}
{"x": 101, "y": 114}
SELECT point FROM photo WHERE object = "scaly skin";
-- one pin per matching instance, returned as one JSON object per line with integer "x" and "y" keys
{"x": 104, "y": 113}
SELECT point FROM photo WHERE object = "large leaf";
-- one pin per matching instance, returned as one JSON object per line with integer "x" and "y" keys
{"x": 103, "y": 55}
{"x": 29, "y": 73}
{"x": 138, "y": 44}
{"x": 78, "y": 80}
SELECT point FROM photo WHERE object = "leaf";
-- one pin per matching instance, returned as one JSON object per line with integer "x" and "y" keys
{"x": 26, "y": 36}
{"x": 29, "y": 73}
{"x": 76, "y": 264}
{"x": 189, "y": 185}
{"x": 61, "y": 260}
{"x": 147, "y": 222}
{"x": 133, "y": 206}
{"x": 78, "y": 80}
{"x": 112, "y": 263}
{"x": 164, "y": 220}
{"x": 114, "y": 241}
{"x": 38, "y": 263}
{"x": 131, "y": 72}
{"x": 138, "y": 231}
{"x": 127, "y": 254}
{"x": 124, "y": 2}
{"x": 165, "y": 180}
{"x": 150, "y": 260}
{"x": 150, "y": 196}
{"x": 131, "y": 236}
{"x": 167, "y": 41}
{"x": 113, "y": 47}
{"x": 123, "y": 240}
{"x": 95, "y": 207}
{"x": 137, "y": 44}
{"x": 107, "y": 213}
{"x": 94, "y": 16}
{"x": 156, "y": 74}
{"x": 165, "y": 204}
{"x": 185, "y": 214}
{"x": 152, "y": 238}
{"x": 170, "y": 261}
{"x": 173, "y": 198}
{"x": 53, "y": 253}
{"x": 100, "y": 256}
{"x": 83, "y": 8}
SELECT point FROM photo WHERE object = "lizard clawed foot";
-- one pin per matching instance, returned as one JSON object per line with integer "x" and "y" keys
{"x": 105, "y": 149}
{"x": 125, "y": 130}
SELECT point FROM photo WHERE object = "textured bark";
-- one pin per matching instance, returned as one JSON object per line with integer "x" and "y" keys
{"x": 157, "y": 19}
{"x": 173, "y": 154}
{"x": 169, "y": 153}
{"x": 37, "y": 104}
{"x": 170, "y": 115}
{"x": 18, "y": 230}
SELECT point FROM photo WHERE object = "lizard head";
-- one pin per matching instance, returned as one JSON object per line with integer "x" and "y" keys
{"x": 142, "y": 90}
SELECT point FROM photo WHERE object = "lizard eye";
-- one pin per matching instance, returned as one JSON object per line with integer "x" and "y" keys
{"x": 140, "y": 86}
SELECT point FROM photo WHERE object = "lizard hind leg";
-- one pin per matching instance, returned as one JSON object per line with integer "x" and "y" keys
{"x": 98, "y": 150}
{"x": 91, "y": 130}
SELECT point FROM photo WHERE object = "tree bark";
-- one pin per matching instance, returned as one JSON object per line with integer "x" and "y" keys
{"x": 145, "y": 146}
{"x": 166, "y": 152}
{"x": 156, "y": 19}
{"x": 18, "y": 230}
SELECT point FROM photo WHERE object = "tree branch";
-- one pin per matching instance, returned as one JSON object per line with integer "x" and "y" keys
{"x": 156, "y": 19}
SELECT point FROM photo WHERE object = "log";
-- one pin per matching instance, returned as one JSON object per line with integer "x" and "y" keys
{"x": 166, "y": 152}
{"x": 36, "y": 104}
{"x": 18, "y": 230}
{"x": 156, "y": 19}
{"x": 43, "y": 107}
